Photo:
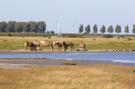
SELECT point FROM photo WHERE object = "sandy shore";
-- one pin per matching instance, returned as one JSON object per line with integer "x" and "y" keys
{"x": 26, "y": 63}
{"x": 55, "y": 51}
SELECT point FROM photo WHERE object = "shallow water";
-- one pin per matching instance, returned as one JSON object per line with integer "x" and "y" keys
{"x": 127, "y": 57}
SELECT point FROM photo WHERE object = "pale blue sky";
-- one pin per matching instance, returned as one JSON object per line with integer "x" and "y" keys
{"x": 69, "y": 12}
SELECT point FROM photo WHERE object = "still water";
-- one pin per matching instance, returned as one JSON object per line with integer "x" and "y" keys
{"x": 128, "y": 57}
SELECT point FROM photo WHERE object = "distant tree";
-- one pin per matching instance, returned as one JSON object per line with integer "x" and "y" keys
{"x": 95, "y": 29}
{"x": 3, "y": 26}
{"x": 11, "y": 26}
{"x": 87, "y": 29}
{"x": 33, "y": 26}
{"x": 41, "y": 27}
{"x": 127, "y": 29}
{"x": 81, "y": 29}
{"x": 103, "y": 29}
{"x": 133, "y": 29}
{"x": 110, "y": 29}
{"x": 118, "y": 29}
{"x": 27, "y": 27}
{"x": 19, "y": 26}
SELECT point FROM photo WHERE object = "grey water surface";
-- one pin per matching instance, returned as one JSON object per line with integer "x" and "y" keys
{"x": 127, "y": 57}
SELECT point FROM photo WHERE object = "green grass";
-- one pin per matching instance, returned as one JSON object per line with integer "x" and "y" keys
{"x": 17, "y": 43}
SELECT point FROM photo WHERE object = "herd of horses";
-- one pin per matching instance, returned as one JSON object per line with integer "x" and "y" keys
{"x": 41, "y": 45}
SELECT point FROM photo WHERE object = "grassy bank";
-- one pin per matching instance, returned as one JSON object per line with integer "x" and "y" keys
{"x": 16, "y": 43}
{"x": 69, "y": 77}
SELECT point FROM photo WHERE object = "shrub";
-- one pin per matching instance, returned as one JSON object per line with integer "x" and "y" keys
{"x": 129, "y": 39}
{"x": 9, "y": 34}
{"x": 107, "y": 36}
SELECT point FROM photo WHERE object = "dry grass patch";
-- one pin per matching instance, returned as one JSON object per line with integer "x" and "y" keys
{"x": 69, "y": 77}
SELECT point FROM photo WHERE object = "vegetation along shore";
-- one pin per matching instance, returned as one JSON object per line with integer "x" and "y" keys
{"x": 96, "y": 43}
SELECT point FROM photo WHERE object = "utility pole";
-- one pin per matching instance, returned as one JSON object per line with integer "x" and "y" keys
{"x": 58, "y": 29}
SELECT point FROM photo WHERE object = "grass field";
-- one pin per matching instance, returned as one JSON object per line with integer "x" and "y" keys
{"x": 16, "y": 43}
{"x": 69, "y": 77}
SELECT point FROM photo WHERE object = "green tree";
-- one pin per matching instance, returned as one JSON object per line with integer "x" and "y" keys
{"x": 81, "y": 29}
{"x": 127, "y": 29}
{"x": 33, "y": 26}
{"x": 3, "y": 26}
{"x": 19, "y": 26}
{"x": 11, "y": 26}
{"x": 27, "y": 27}
{"x": 103, "y": 29}
{"x": 133, "y": 29}
{"x": 110, "y": 29}
{"x": 118, "y": 29}
{"x": 87, "y": 29}
{"x": 95, "y": 29}
{"x": 41, "y": 27}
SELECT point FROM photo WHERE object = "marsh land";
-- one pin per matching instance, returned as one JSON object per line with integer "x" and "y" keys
{"x": 66, "y": 74}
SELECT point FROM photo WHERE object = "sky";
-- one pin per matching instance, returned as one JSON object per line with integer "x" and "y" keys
{"x": 69, "y": 13}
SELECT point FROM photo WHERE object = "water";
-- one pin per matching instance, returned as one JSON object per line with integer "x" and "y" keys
{"x": 127, "y": 57}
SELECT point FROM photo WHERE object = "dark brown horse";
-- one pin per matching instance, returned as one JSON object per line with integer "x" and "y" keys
{"x": 64, "y": 44}
{"x": 67, "y": 44}
{"x": 32, "y": 45}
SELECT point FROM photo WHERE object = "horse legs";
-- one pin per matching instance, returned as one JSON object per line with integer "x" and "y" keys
{"x": 52, "y": 46}
{"x": 72, "y": 47}
{"x": 31, "y": 48}
{"x": 65, "y": 48}
{"x": 59, "y": 48}
{"x": 26, "y": 48}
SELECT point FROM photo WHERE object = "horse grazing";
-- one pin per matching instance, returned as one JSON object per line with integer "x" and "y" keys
{"x": 32, "y": 45}
{"x": 67, "y": 44}
{"x": 64, "y": 44}
{"x": 45, "y": 43}
{"x": 58, "y": 44}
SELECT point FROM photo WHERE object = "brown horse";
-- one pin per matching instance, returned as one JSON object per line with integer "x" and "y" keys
{"x": 32, "y": 45}
{"x": 45, "y": 43}
{"x": 82, "y": 46}
{"x": 58, "y": 44}
{"x": 67, "y": 44}
{"x": 64, "y": 44}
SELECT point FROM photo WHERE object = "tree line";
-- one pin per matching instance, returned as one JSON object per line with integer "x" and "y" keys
{"x": 87, "y": 29}
{"x": 32, "y": 26}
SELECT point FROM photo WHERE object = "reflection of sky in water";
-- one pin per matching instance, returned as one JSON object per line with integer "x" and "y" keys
{"x": 112, "y": 56}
